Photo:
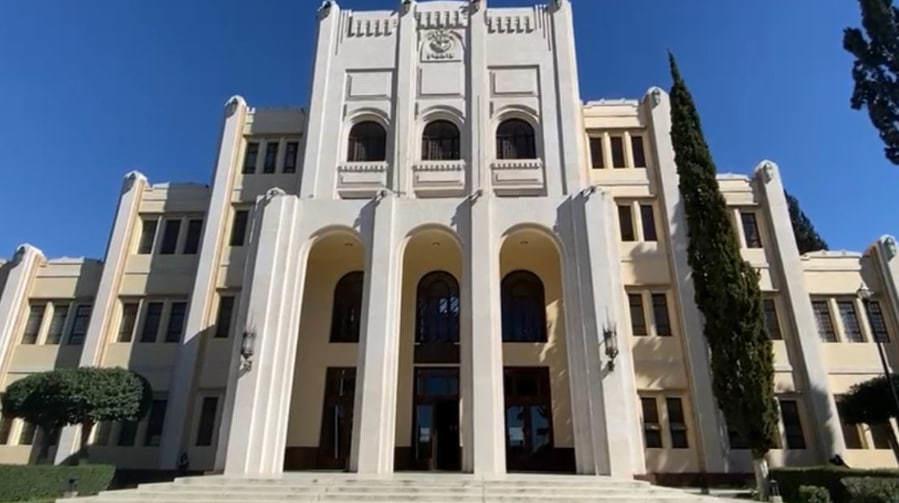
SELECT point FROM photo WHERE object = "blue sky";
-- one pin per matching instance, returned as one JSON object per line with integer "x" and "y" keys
{"x": 95, "y": 88}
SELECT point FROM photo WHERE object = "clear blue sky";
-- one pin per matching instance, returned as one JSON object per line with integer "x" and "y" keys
{"x": 93, "y": 89}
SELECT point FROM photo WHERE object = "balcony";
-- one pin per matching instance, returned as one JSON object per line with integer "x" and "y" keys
{"x": 438, "y": 178}
{"x": 360, "y": 180}
{"x": 518, "y": 177}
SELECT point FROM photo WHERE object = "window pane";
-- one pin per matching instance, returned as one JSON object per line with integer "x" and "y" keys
{"x": 33, "y": 324}
{"x": 649, "y": 222}
{"x": 206, "y": 426}
{"x": 881, "y": 434}
{"x": 824, "y": 321}
{"x": 79, "y": 324}
{"x": 290, "y": 157}
{"x": 515, "y": 419}
{"x": 102, "y": 433}
{"x": 239, "y": 228}
{"x": 617, "y": 152}
{"x": 851, "y": 433}
{"x": 170, "y": 237}
{"x": 638, "y": 319}
{"x": 194, "y": 233}
{"x": 877, "y": 321}
{"x": 772, "y": 326}
{"x": 440, "y": 141}
{"x": 639, "y": 154}
{"x": 626, "y": 223}
{"x": 175, "y": 328}
{"x": 596, "y": 152}
{"x": 676, "y": 423}
{"x": 751, "y": 230}
{"x": 540, "y": 428}
{"x": 5, "y": 428}
{"x": 789, "y": 411}
{"x": 129, "y": 318}
{"x": 367, "y": 143}
{"x": 850, "y": 321}
{"x": 652, "y": 431}
{"x": 249, "y": 160}
{"x": 57, "y": 323}
{"x": 27, "y": 434}
{"x": 660, "y": 313}
{"x": 271, "y": 157}
{"x": 152, "y": 319}
{"x": 523, "y": 307}
{"x": 155, "y": 423}
{"x": 515, "y": 140}
{"x": 147, "y": 237}
{"x": 346, "y": 312}
{"x": 223, "y": 319}
{"x": 127, "y": 434}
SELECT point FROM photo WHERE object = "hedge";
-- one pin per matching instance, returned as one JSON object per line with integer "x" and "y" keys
{"x": 829, "y": 477}
{"x": 872, "y": 490}
{"x": 28, "y": 482}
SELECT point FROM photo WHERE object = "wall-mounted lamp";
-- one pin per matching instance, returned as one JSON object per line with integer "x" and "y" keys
{"x": 247, "y": 350}
{"x": 610, "y": 338}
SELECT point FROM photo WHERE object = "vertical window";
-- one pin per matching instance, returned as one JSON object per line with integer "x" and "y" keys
{"x": 881, "y": 433}
{"x": 194, "y": 233}
{"x": 437, "y": 309}
{"x": 129, "y": 318}
{"x": 346, "y": 314}
{"x": 824, "y": 321}
{"x": 367, "y": 143}
{"x": 638, "y": 319}
{"x": 652, "y": 429}
{"x": 102, "y": 433}
{"x": 649, "y": 222}
{"x": 789, "y": 412}
{"x": 877, "y": 321}
{"x": 27, "y": 434}
{"x": 175, "y": 328}
{"x": 851, "y": 326}
{"x": 851, "y": 434}
{"x": 152, "y": 318}
{"x": 772, "y": 325}
{"x": 33, "y": 324}
{"x": 677, "y": 425}
{"x": 271, "y": 157}
{"x": 57, "y": 323}
{"x": 618, "y": 152}
{"x": 440, "y": 141}
{"x": 239, "y": 228}
{"x": 596, "y": 152}
{"x": 626, "y": 223}
{"x": 170, "y": 232}
{"x": 79, "y": 324}
{"x": 290, "y": 156}
{"x": 249, "y": 160}
{"x": 155, "y": 423}
{"x": 639, "y": 153}
{"x": 751, "y": 229}
{"x": 660, "y": 313}
{"x": 147, "y": 236}
{"x": 127, "y": 433}
{"x": 515, "y": 140}
{"x": 523, "y": 307}
{"x": 5, "y": 429}
{"x": 206, "y": 426}
{"x": 223, "y": 318}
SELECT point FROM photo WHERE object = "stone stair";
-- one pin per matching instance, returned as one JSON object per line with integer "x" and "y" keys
{"x": 448, "y": 488}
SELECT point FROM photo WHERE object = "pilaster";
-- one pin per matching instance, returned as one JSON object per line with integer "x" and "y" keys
{"x": 477, "y": 92}
{"x": 404, "y": 132}
{"x": 22, "y": 270}
{"x": 571, "y": 129}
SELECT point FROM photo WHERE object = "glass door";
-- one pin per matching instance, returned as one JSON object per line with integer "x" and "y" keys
{"x": 337, "y": 419}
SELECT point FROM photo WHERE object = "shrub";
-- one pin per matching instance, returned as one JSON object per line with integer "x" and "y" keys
{"x": 790, "y": 479}
{"x": 813, "y": 494}
{"x": 872, "y": 490}
{"x": 27, "y": 482}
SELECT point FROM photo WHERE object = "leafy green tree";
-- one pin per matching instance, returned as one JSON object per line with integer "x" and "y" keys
{"x": 872, "y": 402}
{"x": 807, "y": 238}
{"x": 727, "y": 289}
{"x": 82, "y": 396}
{"x": 876, "y": 69}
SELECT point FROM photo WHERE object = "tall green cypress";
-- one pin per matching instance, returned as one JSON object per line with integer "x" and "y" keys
{"x": 727, "y": 287}
{"x": 807, "y": 238}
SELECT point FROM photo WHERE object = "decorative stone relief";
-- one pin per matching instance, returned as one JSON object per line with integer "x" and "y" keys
{"x": 440, "y": 45}
{"x": 768, "y": 171}
{"x": 890, "y": 246}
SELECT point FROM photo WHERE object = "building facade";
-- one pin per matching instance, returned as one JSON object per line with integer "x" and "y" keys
{"x": 447, "y": 262}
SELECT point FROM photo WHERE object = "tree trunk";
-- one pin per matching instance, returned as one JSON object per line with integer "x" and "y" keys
{"x": 760, "y": 468}
{"x": 86, "y": 428}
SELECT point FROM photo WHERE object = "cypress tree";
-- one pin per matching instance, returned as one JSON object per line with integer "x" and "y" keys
{"x": 807, "y": 238}
{"x": 727, "y": 289}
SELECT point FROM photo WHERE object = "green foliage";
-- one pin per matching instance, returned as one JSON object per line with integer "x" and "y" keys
{"x": 872, "y": 490}
{"x": 870, "y": 402}
{"x": 28, "y": 482}
{"x": 790, "y": 479}
{"x": 807, "y": 238}
{"x": 727, "y": 287}
{"x": 813, "y": 494}
{"x": 876, "y": 69}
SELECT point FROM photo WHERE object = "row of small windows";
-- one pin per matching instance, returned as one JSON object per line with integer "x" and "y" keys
{"x": 155, "y": 320}
{"x": 792, "y": 430}
{"x": 179, "y": 235}
{"x": 846, "y": 310}
{"x": 864, "y": 436}
{"x": 271, "y": 159}
{"x": 634, "y": 216}
{"x": 49, "y": 321}
{"x": 614, "y": 144}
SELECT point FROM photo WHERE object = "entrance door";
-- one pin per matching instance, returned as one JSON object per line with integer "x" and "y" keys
{"x": 337, "y": 419}
{"x": 436, "y": 422}
{"x": 529, "y": 429}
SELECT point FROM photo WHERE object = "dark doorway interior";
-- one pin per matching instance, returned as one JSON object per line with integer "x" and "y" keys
{"x": 337, "y": 419}
{"x": 529, "y": 426}
{"x": 436, "y": 420}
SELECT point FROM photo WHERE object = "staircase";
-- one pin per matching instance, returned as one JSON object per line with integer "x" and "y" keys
{"x": 450, "y": 488}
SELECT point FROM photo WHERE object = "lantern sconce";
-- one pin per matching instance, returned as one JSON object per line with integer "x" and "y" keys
{"x": 610, "y": 338}
{"x": 247, "y": 350}
{"x": 863, "y": 292}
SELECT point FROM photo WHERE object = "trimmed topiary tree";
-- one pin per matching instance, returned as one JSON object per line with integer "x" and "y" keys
{"x": 727, "y": 289}
{"x": 82, "y": 396}
{"x": 873, "y": 402}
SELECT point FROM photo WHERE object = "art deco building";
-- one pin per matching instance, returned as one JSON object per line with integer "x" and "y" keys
{"x": 449, "y": 261}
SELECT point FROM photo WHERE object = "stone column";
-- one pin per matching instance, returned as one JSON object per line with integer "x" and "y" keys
{"x": 120, "y": 242}
{"x": 179, "y": 405}
{"x": 374, "y": 417}
{"x": 404, "y": 132}
{"x": 709, "y": 423}
{"x": 815, "y": 386}
{"x": 14, "y": 295}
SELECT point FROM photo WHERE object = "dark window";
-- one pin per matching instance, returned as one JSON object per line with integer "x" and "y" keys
{"x": 523, "y": 308}
{"x": 877, "y": 321}
{"x": 239, "y": 227}
{"x": 881, "y": 433}
{"x": 79, "y": 324}
{"x": 170, "y": 237}
{"x": 33, "y": 324}
{"x": 824, "y": 321}
{"x": 638, "y": 319}
{"x": 851, "y": 325}
{"x": 271, "y": 157}
{"x": 147, "y": 237}
{"x": 639, "y": 154}
{"x": 206, "y": 426}
{"x": 626, "y": 223}
{"x": 676, "y": 423}
{"x": 27, "y": 434}
{"x": 851, "y": 434}
{"x": 437, "y": 309}
{"x": 529, "y": 428}
{"x": 751, "y": 230}
{"x": 618, "y": 152}
{"x": 175, "y": 328}
{"x": 652, "y": 429}
{"x": 290, "y": 156}
{"x": 103, "y": 431}
{"x": 155, "y": 422}
{"x": 57, "y": 323}
{"x": 440, "y": 141}
{"x": 194, "y": 233}
{"x": 772, "y": 325}
{"x": 660, "y": 313}
{"x": 152, "y": 318}
{"x": 249, "y": 160}
{"x": 336, "y": 431}
{"x": 127, "y": 433}
{"x": 596, "y": 152}
{"x": 367, "y": 143}
{"x": 649, "y": 222}
{"x": 5, "y": 429}
{"x": 515, "y": 140}
{"x": 224, "y": 317}
{"x": 129, "y": 318}
{"x": 346, "y": 313}
{"x": 789, "y": 411}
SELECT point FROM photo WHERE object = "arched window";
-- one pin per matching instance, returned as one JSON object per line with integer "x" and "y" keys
{"x": 440, "y": 142}
{"x": 367, "y": 143}
{"x": 524, "y": 308}
{"x": 515, "y": 140}
{"x": 437, "y": 308}
{"x": 347, "y": 311}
